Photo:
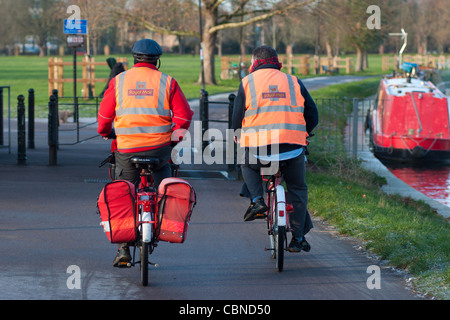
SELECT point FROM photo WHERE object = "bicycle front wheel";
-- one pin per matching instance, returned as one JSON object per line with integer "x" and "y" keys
{"x": 143, "y": 252}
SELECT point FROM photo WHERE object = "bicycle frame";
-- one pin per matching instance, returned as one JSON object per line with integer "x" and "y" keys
{"x": 146, "y": 206}
{"x": 146, "y": 202}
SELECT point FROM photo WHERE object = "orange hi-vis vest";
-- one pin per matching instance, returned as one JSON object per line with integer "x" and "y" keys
{"x": 143, "y": 116}
{"x": 273, "y": 111}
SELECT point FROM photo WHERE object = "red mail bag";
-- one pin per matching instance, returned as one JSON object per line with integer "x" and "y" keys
{"x": 176, "y": 200}
{"x": 117, "y": 207}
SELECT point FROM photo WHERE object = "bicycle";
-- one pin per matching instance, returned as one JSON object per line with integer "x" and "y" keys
{"x": 278, "y": 215}
{"x": 146, "y": 207}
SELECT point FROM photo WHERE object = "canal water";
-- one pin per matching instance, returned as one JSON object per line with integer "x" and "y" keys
{"x": 433, "y": 181}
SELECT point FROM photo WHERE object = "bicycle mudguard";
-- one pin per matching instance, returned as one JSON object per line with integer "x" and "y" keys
{"x": 281, "y": 206}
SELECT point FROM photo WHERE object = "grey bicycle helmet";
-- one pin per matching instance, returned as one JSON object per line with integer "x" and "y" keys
{"x": 146, "y": 50}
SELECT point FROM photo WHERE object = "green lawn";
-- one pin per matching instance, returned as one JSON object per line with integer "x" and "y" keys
{"x": 24, "y": 72}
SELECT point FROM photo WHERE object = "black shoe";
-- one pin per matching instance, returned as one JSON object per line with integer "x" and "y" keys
{"x": 256, "y": 210}
{"x": 123, "y": 258}
{"x": 297, "y": 246}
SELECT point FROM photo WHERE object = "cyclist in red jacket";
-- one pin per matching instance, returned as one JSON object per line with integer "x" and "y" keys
{"x": 149, "y": 112}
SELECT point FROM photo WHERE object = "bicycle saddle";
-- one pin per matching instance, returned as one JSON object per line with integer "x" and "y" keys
{"x": 151, "y": 161}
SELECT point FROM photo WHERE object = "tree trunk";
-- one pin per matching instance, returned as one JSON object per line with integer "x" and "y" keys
{"x": 42, "y": 50}
{"x": 329, "y": 50}
{"x": 359, "y": 60}
{"x": 209, "y": 43}
{"x": 365, "y": 60}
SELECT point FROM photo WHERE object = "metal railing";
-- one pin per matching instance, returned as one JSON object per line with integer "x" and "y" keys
{"x": 76, "y": 108}
{"x": 341, "y": 127}
{"x": 90, "y": 106}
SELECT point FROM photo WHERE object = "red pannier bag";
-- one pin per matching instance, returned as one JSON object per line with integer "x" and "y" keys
{"x": 117, "y": 207}
{"x": 176, "y": 200}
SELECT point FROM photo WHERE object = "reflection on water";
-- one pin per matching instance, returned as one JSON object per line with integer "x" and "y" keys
{"x": 433, "y": 181}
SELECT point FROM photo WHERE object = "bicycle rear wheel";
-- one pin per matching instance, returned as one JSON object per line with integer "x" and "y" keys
{"x": 143, "y": 255}
{"x": 279, "y": 247}
{"x": 277, "y": 234}
{"x": 271, "y": 202}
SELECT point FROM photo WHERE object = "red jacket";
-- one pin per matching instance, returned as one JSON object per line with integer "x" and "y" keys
{"x": 182, "y": 113}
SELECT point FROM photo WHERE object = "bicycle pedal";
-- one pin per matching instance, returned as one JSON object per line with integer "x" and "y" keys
{"x": 124, "y": 265}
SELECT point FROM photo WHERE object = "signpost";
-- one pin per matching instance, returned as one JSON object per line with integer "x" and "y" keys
{"x": 75, "y": 31}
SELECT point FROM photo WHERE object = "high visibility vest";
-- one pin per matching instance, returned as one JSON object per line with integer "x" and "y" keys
{"x": 273, "y": 111}
{"x": 143, "y": 116}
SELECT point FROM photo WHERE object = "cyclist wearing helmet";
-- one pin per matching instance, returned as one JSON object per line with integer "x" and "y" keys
{"x": 149, "y": 113}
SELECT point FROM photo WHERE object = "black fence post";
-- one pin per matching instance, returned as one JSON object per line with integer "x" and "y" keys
{"x": 55, "y": 94}
{"x": 204, "y": 115}
{"x": 21, "y": 135}
{"x": 1, "y": 117}
{"x": 231, "y": 167}
{"x": 231, "y": 98}
{"x": 31, "y": 119}
{"x": 53, "y": 130}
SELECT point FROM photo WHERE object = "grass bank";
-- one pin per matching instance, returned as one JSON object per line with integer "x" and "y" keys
{"x": 404, "y": 233}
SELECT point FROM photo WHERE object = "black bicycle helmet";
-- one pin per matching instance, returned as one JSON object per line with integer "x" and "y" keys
{"x": 146, "y": 50}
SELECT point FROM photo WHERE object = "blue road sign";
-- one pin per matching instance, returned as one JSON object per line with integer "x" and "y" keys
{"x": 75, "y": 26}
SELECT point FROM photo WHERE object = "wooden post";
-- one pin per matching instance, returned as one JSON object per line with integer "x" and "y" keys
{"x": 289, "y": 59}
{"x": 92, "y": 76}
{"x": 84, "y": 67}
{"x": 50, "y": 76}
{"x": 60, "y": 85}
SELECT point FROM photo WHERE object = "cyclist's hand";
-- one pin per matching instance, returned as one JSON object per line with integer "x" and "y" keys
{"x": 112, "y": 135}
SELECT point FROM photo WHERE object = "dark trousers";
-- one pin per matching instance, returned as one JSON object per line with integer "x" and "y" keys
{"x": 293, "y": 171}
{"x": 127, "y": 171}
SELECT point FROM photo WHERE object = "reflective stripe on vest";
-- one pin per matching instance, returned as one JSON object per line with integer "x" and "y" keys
{"x": 143, "y": 115}
{"x": 274, "y": 110}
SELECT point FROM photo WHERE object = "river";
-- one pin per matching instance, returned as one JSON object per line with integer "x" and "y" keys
{"x": 433, "y": 181}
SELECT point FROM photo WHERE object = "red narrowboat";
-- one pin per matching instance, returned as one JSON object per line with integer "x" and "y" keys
{"x": 409, "y": 121}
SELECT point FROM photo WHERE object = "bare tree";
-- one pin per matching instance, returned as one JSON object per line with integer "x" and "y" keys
{"x": 350, "y": 17}
{"x": 213, "y": 23}
{"x": 39, "y": 18}
{"x": 99, "y": 19}
{"x": 441, "y": 19}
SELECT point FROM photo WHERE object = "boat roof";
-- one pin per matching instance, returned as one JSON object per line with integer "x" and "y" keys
{"x": 400, "y": 87}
